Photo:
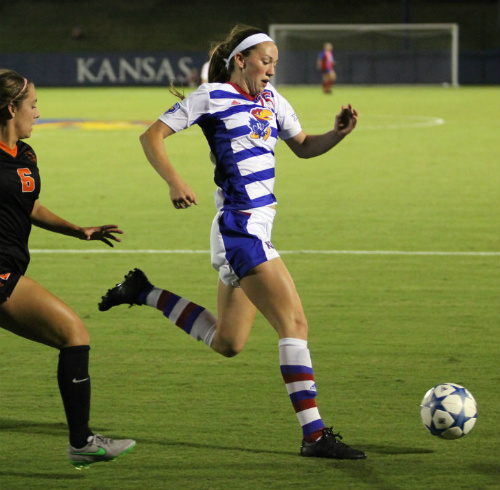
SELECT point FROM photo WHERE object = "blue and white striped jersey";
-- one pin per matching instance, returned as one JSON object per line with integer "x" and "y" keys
{"x": 242, "y": 133}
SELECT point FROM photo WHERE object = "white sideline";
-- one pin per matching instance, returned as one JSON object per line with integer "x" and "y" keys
{"x": 282, "y": 252}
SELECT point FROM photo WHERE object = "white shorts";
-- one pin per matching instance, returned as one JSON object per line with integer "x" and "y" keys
{"x": 240, "y": 241}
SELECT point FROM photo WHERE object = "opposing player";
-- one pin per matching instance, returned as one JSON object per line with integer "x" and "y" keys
{"x": 242, "y": 115}
{"x": 326, "y": 64}
{"x": 26, "y": 308}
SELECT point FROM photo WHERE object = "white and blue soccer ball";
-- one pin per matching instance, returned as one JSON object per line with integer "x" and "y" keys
{"x": 448, "y": 411}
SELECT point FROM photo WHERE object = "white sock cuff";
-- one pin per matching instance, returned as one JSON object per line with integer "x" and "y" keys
{"x": 291, "y": 342}
{"x": 294, "y": 352}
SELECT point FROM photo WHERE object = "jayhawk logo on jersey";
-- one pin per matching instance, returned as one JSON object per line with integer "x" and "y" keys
{"x": 259, "y": 123}
{"x": 173, "y": 109}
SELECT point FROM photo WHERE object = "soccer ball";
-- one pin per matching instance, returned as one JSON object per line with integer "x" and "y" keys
{"x": 448, "y": 411}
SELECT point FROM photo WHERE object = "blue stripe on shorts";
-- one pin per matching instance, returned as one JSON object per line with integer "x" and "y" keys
{"x": 244, "y": 251}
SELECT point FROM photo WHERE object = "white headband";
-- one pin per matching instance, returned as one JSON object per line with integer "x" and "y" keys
{"x": 248, "y": 42}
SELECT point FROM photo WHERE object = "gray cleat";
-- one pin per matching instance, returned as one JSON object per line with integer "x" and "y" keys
{"x": 98, "y": 448}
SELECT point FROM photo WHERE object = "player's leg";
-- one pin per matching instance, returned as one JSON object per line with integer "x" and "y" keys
{"x": 136, "y": 289}
{"x": 226, "y": 334}
{"x": 35, "y": 313}
{"x": 236, "y": 314}
{"x": 333, "y": 77}
{"x": 329, "y": 79}
{"x": 326, "y": 85}
{"x": 271, "y": 288}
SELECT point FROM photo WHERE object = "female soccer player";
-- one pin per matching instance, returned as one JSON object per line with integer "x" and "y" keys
{"x": 242, "y": 115}
{"x": 26, "y": 308}
{"x": 326, "y": 65}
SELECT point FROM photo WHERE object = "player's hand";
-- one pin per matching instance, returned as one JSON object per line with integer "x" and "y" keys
{"x": 182, "y": 196}
{"x": 104, "y": 233}
{"x": 346, "y": 120}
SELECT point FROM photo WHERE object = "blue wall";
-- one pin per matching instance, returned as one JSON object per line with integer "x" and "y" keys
{"x": 182, "y": 68}
{"x": 103, "y": 69}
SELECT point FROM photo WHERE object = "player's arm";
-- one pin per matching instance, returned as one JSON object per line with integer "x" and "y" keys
{"x": 153, "y": 144}
{"x": 307, "y": 145}
{"x": 46, "y": 219}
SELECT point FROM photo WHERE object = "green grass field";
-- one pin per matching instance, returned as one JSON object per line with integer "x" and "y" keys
{"x": 415, "y": 188}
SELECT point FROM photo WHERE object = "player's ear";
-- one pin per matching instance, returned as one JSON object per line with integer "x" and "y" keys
{"x": 11, "y": 109}
{"x": 239, "y": 60}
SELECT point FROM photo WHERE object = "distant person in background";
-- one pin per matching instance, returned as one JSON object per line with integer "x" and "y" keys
{"x": 205, "y": 67}
{"x": 326, "y": 65}
{"x": 242, "y": 116}
{"x": 77, "y": 33}
{"x": 27, "y": 309}
{"x": 194, "y": 77}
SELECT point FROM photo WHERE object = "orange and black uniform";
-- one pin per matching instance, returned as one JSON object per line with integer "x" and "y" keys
{"x": 19, "y": 189}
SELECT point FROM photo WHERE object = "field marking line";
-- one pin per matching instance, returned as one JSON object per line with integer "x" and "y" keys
{"x": 399, "y": 122}
{"x": 282, "y": 252}
{"x": 372, "y": 122}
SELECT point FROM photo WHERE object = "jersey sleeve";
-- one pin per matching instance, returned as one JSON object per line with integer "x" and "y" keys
{"x": 288, "y": 122}
{"x": 187, "y": 112}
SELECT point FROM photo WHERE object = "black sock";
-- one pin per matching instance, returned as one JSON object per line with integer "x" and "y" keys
{"x": 74, "y": 385}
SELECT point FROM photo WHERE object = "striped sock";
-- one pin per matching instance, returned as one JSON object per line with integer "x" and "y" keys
{"x": 195, "y": 320}
{"x": 297, "y": 372}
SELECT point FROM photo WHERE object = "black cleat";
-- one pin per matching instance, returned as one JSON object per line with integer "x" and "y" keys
{"x": 127, "y": 292}
{"x": 329, "y": 446}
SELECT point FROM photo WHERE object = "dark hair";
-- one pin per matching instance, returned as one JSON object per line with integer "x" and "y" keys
{"x": 12, "y": 88}
{"x": 217, "y": 71}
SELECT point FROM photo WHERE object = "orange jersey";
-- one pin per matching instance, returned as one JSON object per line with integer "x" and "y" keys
{"x": 19, "y": 189}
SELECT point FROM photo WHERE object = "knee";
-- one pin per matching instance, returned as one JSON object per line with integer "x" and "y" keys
{"x": 227, "y": 348}
{"x": 75, "y": 333}
{"x": 295, "y": 328}
{"x": 230, "y": 352}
